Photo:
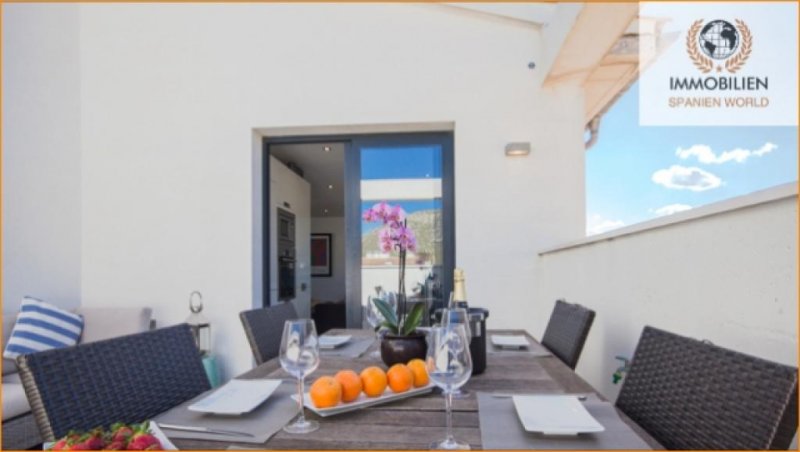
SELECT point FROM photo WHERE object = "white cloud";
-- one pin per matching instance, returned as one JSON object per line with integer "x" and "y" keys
{"x": 596, "y": 224}
{"x": 670, "y": 209}
{"x": 686, "y": 178}
{"x": 705, "y": 154}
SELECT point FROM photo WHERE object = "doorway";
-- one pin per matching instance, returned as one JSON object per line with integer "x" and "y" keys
{"x": 339, "y": 264}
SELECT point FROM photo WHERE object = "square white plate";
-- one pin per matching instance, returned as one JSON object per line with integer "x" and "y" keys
{"x": 330, "y": 342}
{"x": 363, "y": 401}
{"x": 158, "y": 433}
{"x": 555, "y": 415}
{"x": 236, "y": 397}
{"x": 510, "y": 341}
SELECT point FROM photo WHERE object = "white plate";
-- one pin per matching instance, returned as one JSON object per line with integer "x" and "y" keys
{"x": 158, "y": 433}
{"x": 363, "y": 401}
{"x": 236, "y": 397}
{"x": 510, "y": 341}
{"x": 555, "y": 415}
{"x": 330, "y": 342}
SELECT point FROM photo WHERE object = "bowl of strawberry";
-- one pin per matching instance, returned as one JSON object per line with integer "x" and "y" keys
{"x": 118, "y": 436}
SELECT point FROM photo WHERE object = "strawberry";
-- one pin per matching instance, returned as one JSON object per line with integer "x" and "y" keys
{"x": 89, "y": 441}
{"x": 121, "y": 433}
{"x": 115, "y": 445}
{"x": 65, "y": 442}
{"x": 142, "y": 439}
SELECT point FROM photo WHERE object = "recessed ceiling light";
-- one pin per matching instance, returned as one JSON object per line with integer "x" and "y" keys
{"x": 330, "y": 187}
{"x": 327, "y": 148}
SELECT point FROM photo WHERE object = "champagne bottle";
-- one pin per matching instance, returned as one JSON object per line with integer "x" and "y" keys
{"x": 459, "y": 289}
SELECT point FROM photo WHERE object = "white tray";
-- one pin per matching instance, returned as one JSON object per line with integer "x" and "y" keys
{"x": 555, "y": 415}
{"x": 154, "y": 429}
{"x": 236, "y": 397}
{"x": 363, "y": 401}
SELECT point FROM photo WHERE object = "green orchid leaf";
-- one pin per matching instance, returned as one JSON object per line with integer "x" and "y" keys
{"x": 413, "y": 319}
{"x": 389, "y": 326}
{"x": 387, "y": 312}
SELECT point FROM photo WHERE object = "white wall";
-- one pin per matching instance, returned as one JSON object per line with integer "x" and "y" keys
{"x": 41, "y": 155}
{"x": 330, "y": 288}
{"x": 170, "y": 95}
{"x": 729, "y": 277}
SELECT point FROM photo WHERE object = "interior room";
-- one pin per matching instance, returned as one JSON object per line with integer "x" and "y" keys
{"x": 319, "y": 225}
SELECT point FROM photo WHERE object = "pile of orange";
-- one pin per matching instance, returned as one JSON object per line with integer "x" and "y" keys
{"x": 346, "y": 386}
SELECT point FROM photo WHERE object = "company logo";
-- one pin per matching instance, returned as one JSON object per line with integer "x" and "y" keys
{"x": 719, "y": 44}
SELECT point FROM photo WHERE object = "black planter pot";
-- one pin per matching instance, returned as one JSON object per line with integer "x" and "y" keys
{"x": 402, "y": 349}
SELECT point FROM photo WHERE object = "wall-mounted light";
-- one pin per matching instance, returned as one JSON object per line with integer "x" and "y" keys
{"x": 330, "y": 186}
{"x": 327, "y": 148}
{"x": 518, "y": 149}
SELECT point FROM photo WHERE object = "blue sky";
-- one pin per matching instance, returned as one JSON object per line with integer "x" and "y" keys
{"x": 620, "y": 167}
{"x": 401, "y": 162}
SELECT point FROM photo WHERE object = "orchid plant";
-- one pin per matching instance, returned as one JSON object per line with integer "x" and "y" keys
{"x": 395, "y": 235}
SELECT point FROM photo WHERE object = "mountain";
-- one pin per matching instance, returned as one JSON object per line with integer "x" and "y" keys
{"x": 424, "y": 223}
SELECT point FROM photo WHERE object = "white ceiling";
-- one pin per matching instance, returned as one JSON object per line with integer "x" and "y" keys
{"x": 321, "y": 169}
{"x": 538, "y": 13}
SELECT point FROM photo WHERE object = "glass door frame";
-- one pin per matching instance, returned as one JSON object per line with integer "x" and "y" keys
{"x": 352, "y": 194}
{"x": 353, "y": 209}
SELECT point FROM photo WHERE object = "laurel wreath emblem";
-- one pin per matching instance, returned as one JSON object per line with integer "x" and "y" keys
{"x": 702, "y": 62}
{"x": 732, "y": 64}
{"x": 736, "y": 62}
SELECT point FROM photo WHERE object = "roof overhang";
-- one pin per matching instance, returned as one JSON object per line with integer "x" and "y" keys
{"x": 601, "y": 53}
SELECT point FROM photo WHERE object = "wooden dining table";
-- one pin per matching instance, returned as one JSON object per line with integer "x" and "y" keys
{"x": 414, "y": 423}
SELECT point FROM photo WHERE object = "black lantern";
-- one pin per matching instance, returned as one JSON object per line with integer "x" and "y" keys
{"x": 201, "y": 328}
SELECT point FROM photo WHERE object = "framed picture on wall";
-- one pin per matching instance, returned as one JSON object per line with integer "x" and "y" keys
{"x": 321, "y": 264}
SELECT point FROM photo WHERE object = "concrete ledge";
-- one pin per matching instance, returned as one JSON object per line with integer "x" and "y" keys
{"x": 771, "y": 194}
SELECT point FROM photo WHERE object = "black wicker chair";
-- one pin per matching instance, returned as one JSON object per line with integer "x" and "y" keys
{"x": 264, "y": 328}
{"x": 567, "y": 330}
{"x": 690, "y": 394}
{"x": 127, "y": 379}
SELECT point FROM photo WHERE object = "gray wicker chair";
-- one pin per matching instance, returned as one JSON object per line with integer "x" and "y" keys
{"x": 127, "y": 379}
{"x": 567, "y": 330}
{"x": 264, "y": 328}
{"x": 690, "y": 394}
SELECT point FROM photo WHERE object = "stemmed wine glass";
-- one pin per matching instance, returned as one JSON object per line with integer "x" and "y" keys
{"x": 374, "y": 318}
{"x": 449, "y": 366}
{"x": 458, "y": 316}
{"x": 299, "y": 357}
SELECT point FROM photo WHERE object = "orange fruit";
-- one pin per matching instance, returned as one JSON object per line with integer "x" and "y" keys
{"x": 351, "y": 384}
{"x": 400, "y": 378}
{"x": 373, "y": 381}
{"x": 417, "y": 367}
{"x": 325, "y": 392}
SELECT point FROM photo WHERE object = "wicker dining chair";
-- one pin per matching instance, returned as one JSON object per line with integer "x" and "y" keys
{"x": 690, "y": 394}
{"x": 264, "y": 328}
{"x": 567, "y": 330}
{"x": 125, "y": 379}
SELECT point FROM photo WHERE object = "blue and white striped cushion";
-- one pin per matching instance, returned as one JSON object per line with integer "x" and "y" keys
{"x": 42, "y": 326}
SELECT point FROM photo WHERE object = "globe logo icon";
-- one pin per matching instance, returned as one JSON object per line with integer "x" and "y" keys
{"x": 719, "y": 39}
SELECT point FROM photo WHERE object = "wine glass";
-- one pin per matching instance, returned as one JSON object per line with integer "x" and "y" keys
{"x": 299, "y": 357}
{"x": 374, "y": 318}
{"x": 449, "y": 366}
{"x": 458, "y": 316}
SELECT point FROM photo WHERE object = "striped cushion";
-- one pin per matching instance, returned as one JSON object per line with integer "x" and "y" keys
{"x": 42, "y": 326}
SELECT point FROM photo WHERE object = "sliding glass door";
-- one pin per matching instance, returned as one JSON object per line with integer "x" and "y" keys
{"x": 415, "y": 172}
